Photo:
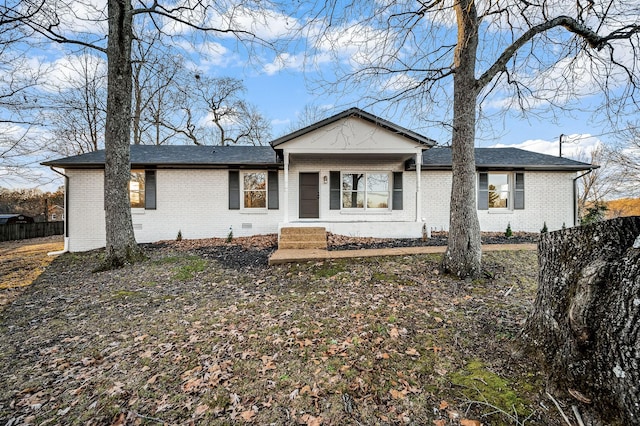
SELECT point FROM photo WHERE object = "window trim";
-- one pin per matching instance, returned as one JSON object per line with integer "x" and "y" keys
{"x": 266, "y": 191}
{"x": 140, "y": 191}
{"x": 509, "y": 206}
{"x": 236, "y": 190}
{"x": 365, "y": 209}
{"x": 516, "y": 184}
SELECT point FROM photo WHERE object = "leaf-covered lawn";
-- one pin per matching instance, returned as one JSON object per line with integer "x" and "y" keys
{"x": 188, "y": 337}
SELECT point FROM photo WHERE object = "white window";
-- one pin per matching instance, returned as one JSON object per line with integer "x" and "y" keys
{"x": 254, "y": 190}
{"x": 366, "y": 191}
{"x": 499, "y": 191}
{"x": 136, "y": 189}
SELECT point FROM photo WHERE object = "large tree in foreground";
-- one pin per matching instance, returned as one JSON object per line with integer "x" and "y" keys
{"x": 585, "y": 321}
{"x": 79, "y": 23}
{"x": 517, "y": 54}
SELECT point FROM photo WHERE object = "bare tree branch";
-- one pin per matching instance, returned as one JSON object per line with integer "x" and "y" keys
{"x": 591, "y": 38}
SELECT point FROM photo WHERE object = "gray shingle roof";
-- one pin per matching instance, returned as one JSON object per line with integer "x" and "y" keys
{"x": 183, "y": 156}
{"x": 439, "y": 158}
{"x": 191, "y": 156}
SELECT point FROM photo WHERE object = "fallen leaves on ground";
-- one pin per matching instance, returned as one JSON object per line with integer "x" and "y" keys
{"x": 340, "y": 342}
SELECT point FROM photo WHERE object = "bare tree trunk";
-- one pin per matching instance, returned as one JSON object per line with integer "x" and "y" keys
{"x": 121, "y": 246}
{"x": 464, "y": 253}
{"x": 137, "y": 104}
{"x": 585, "y": 325}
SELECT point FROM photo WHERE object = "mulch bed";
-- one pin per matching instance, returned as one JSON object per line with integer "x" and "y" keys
{"x": 248, "y": 252}
{"x": 340, "y": 242}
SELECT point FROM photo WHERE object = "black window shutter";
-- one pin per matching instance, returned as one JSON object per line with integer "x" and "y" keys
{"x": 272, "y": 188}
{"x": 396, "y": 202}
{"x": 518, "y": 202}
{"x": 234, "y": 190}
{"x": 334, "y": 190}
{"x": 483, "y": 191}
{"x": 150, "y": 189}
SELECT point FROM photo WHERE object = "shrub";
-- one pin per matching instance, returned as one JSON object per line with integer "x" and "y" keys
{"x": 508, "y": 233}
{"x": 544, "y": 229}
{"x": 230, "y": 235}
{"x": 179, "y": 236}
{"x": 595, "y": 213}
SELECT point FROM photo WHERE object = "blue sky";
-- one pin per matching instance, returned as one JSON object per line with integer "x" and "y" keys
{"x": 281, "y": 84}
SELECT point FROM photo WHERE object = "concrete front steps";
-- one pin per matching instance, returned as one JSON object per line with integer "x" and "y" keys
{"x": 302, "y": 238}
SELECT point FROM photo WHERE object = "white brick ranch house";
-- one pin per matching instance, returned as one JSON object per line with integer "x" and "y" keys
{"x": 354, "y": 174}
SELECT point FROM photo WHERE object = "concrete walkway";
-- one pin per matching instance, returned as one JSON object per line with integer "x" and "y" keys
{"x": 293, "y": 256}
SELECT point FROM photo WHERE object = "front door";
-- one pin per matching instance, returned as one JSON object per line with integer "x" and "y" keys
{"x": 309, "y": 196}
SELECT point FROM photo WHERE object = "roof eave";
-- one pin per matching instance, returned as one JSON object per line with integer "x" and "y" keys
{"x": 503, "y": 167}
{"x": 85, "y": 166}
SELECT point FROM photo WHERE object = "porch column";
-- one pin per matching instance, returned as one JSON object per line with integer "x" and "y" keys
{"x": 286, "y": 186}
{"x": 418, "y": 186}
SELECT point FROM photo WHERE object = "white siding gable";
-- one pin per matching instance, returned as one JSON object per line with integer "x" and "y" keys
{"x": 351, "y": 135}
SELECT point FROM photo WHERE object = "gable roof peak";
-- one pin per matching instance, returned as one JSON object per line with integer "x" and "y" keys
{"x": 356, "y": 112}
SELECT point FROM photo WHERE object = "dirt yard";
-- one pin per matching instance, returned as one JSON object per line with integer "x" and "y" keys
{"x": 21, "y": 262}
{"x": 204, "y": 332}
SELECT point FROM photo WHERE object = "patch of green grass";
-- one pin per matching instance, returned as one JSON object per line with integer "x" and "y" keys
{"x": 329, "y": 269}
{"x": 384, "y": 277}
{"x": 74, "y": 257}
{"x": 123, "y": 294}
{"x": 188, "y": 271}
{"x": 481, "y": 384}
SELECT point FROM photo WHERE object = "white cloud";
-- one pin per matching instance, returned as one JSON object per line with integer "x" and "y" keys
{"x": 86, "y": 19}
{"x": 358, "y": 44}
{"x": 399, "y": 82}
{"x": 280, "y": 122}
{"x": 70, "y": 71}
{"x": 207, "y": 55}
{"x": 575, "y": 146}
{"x": 566, "y": 80}
{"x": 263, "y": 23}
{"x": 285, "y": 61}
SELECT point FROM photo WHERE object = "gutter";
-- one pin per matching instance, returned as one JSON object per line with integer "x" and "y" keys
{"x": 575, "y": 194}
{"x": 66, "y": 214}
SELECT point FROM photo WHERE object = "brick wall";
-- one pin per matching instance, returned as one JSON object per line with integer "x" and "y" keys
{"x": 548, "y": 198}
{"x": 86, "y": 223}
{"x": 194, "y": 202}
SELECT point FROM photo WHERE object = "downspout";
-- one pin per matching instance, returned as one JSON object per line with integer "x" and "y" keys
{"x": 419, "y": 186}
{"x": 66, "y": 215}
{"x": 575, "y": 197}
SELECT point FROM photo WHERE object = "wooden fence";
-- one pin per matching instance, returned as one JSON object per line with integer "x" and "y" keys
{"x": 23, "y": 231}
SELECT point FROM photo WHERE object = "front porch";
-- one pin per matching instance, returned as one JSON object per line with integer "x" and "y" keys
{"x": 354, "y": 175}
